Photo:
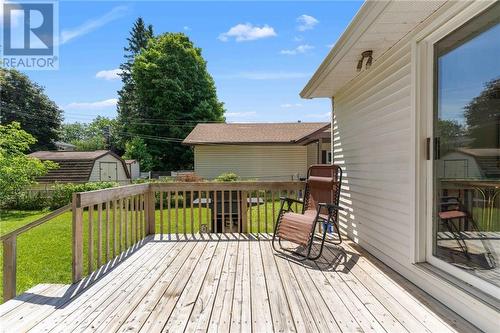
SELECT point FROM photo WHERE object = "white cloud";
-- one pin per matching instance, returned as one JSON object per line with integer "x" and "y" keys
{"x": 265, "y": 75}
{"x": 306, "y": 22}
{"x": 246, "y": 32}
{"x": 97, "y": 105}
{"x": 330, "y": 45}
{"x": 290, "y": 105}
{"x": 187, "y": 28}
{"x": 304, "y": 48}
{"x": 93, "y": 24}
{"x": 298, "y": 38}
{"x": 112, "y": 74}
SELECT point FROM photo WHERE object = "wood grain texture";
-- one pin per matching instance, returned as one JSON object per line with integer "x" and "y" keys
{"x": 224, "y": 283}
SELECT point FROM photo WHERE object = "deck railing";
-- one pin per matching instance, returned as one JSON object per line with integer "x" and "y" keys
{"x": 9, "y": 244}
{"x": 113, "y": 220}
{"x": 107, "y": 223}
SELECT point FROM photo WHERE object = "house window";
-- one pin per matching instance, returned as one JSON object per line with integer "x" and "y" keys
{"x": 466, "y": 166}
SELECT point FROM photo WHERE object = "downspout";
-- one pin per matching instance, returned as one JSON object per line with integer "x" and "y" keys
{"x": 331, "y": 132}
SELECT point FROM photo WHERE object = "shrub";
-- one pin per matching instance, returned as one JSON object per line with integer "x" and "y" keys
{"x": 29, "y": 201}
{"x": 227, "y": 177}
{"x": 63, "y": 193}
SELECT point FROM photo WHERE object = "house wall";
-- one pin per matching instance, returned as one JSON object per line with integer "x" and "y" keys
{"x": 375, "y": 143}
{"x": 134, "y": 170}
{"x": 313, "y": 153}
{"x": 121, "y": 174}
{"x": 270, "y": 162}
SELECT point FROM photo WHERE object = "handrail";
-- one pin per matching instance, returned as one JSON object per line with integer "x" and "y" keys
{"x": 38, "y": 222}
{"x": 10, "y": 251}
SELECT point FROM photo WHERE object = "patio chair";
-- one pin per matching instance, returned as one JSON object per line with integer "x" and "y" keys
{"x": 320, "y": 205}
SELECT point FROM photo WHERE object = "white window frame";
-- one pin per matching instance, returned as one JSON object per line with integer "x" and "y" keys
{"x": 423, "y": 69}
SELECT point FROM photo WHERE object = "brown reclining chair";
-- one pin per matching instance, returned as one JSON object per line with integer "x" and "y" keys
{"x": 321, "y": 204}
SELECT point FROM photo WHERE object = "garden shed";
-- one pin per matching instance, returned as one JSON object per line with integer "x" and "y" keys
{"x": 84, "y": 166}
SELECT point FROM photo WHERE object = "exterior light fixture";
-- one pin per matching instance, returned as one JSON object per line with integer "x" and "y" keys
{"x": 366, "y": 54}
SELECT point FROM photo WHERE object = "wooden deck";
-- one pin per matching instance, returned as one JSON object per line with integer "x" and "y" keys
{"x": 232, "y": 283}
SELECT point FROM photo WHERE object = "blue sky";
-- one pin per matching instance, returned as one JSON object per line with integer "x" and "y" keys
{"x": 260, "y": 54}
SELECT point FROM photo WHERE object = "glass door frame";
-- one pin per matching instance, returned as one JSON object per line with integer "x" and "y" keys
{"x": 424, "y": 80}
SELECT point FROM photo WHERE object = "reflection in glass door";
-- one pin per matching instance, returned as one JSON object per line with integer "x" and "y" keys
{"x": 466, "y": 228}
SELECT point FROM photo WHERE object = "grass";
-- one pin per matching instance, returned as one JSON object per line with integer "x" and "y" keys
{"x": 44, "y": 252}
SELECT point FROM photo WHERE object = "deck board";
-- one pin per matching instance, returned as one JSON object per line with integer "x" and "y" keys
{"x": 233, "y": 283}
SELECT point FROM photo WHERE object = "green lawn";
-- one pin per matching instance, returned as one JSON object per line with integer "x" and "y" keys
{"x": 44, "y": 252}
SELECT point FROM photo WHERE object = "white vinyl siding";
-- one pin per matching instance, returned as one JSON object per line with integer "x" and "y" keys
{"x": 95, "y": 175}
{"x": 270, "y": 162}
{"x": 313, "y": 154}
{"x": 372, "y": 143}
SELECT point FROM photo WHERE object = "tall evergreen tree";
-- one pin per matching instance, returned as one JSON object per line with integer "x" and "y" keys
{"x": 126, "y": 107}
{"x": 173, "y": 87}
{"x": 25, "y": 102}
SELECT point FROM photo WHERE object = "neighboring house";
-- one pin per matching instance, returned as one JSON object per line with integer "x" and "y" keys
{"x": 133, "y": 169}
{"x": 84, "y": 166}
{"x": 381, "y": 76}
{"x": 64, "y": 146}
{"x": 266, "y": 151}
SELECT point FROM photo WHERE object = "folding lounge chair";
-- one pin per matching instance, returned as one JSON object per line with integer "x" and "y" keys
{"x": 320, "y": 205}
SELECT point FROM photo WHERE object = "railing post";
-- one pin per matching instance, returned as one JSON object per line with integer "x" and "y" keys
{"x": 9, "y": 268}
{"x": 150, "y": 195}
{"x": 77, "y": 244}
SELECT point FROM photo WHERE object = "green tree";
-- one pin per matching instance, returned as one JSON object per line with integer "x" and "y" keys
{"x": 174, "y": 91}
{"x": 18, "y": 170}
{"x": 101, "y": 133}
{"x": 136, "y": 149}
{"x": 482, "y": 115}
{"x": 24, "y": 101}
{"x": 126, "y": 106}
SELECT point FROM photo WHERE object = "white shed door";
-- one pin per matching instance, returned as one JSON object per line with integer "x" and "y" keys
{"x": 108, "y": 171}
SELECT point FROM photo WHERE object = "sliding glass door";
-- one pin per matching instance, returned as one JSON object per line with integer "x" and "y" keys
{"x": 466, "y": 164}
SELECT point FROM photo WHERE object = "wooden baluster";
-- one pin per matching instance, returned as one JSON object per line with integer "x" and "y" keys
{"x": 199, "y": 211}
{"x": 115, "y": 243}
{"x": 143, "y": 221}
{"x": 274, "y": 214}
{"x": 99, "y": 235}
{"x": 231, "y": 211}
{"x": 250, "y": 212}
{"x": 161, "y": 212}
{"x": 207, "y": 197}
{"x": 176, "y": 212}
{"x": 91, "y": 239}
{"x": 9, "y": 268}
{"x": 120, "y": 239}
{"x": 223, "y": 210}
{"x": 192, "y": 213}
{"x": 258, "y": 212}
{"x": 133, "y": 220}
{"x": 238, "y": 195}
{"x": 265, "y": 212}
{"x": 137, "y": 221}
{"x": 169, "y": 227}
{"x": 107, "y": 231}
{"x": 184, "y": 212}
{"x": 77, "y": 241}
{"x": 215, "y": 212}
